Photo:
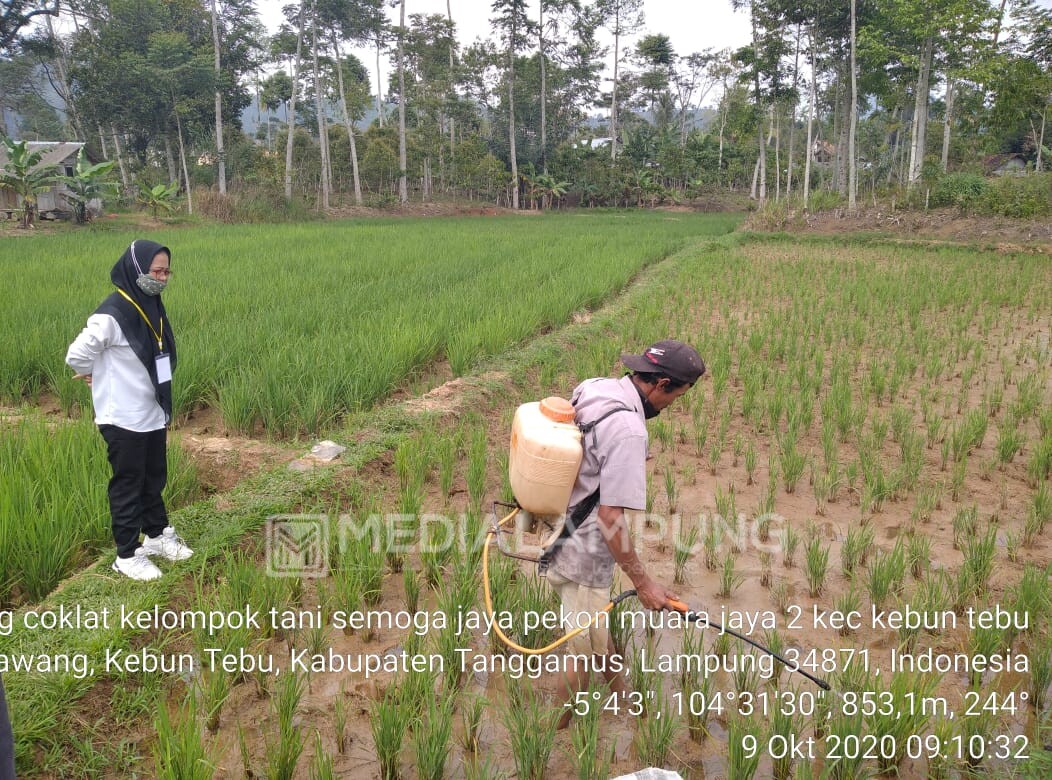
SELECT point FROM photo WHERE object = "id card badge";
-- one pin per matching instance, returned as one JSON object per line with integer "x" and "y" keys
{"x": 164, "y": 368}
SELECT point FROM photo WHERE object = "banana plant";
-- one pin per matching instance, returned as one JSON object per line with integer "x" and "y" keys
{"x": 88, "y": 183}
{"x": 24, "y": 174}
{"x": 532, "y": 182}
{"x": 549, "y": 189}
{"x": 160, "y": 197}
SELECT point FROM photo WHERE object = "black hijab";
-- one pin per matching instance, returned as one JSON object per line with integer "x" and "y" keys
{"x": 136, "y": 260}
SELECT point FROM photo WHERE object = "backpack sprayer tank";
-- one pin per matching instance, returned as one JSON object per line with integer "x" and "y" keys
{"x": 546, "y": 453}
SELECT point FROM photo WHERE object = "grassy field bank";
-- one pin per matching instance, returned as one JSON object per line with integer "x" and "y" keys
{"x": 54, "y": 515}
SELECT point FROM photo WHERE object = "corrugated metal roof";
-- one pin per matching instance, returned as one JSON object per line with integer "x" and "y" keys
{"x": 58, "y": 153}
{"x": 54, "y": 152}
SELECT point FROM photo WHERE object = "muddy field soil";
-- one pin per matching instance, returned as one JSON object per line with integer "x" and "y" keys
{"x": 999, "y": 233}
{"x": 768, "y": 587}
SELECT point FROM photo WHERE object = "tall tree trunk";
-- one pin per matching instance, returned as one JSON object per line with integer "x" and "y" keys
{"x": 764, "y": 143}
{"x": 792, "y": 118}
{"x": 1039, "y": 164}
{"x": 440, "y": 147}
{"x": 169, "y": 157}
{"x": 809, "y": 152}
{"x": 452, "y": 137}
{"x": 723, "y": 127}
{"x": 998, "y": 24}
{"x": 323, "y": 127}
{"x": 182, "y": 159}
{"x": 613, "y": 93}
{"x": 102, "y": 142}
{"x": 62, "y": 62}
{"x": 511, "y": 124}
{"x": 777, "y": 155}
{"x": 951, "y": 88}
{"x": 841, "y": 129}
{"x": 762, "y": 158}
{"x": 379, "y": 82}
{"x": 120, "y": 158}
{"x": 219, "y": 104}
{"x": 403, "y": 192}
{"x": 291, "y": 111}
{"x": 920, "y": 115}
{"x": 544, "y": 93}
{"x": 347, "y": 121}
{"x": 852, "y": 171}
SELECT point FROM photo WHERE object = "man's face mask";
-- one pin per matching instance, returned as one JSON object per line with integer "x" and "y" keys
{"x": 149, "y": 285}
{"x": 649, "y": 412}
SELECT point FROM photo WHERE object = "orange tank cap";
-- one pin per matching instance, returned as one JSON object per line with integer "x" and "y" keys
{"x": 557, "y": 409}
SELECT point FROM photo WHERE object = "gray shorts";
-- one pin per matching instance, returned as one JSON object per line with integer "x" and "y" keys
{"x": 579, "y": 602}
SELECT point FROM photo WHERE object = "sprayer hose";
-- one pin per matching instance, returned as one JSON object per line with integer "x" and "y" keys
{"x": 489, "y": 601}
{"x": 679, "y": 606}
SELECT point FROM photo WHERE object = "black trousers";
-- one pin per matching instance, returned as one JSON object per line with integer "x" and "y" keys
{"x": 140, "y": 472}
{"x": 7, "y": 741}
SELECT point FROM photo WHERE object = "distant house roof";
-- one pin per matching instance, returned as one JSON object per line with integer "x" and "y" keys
{"x": 823, "y": 151}
{"x": 595, "y": 143}
{"x": 54, "y": 152}
{"x": 999, "y": 164}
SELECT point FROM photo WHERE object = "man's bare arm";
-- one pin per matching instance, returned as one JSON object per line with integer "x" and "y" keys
{"x": 615, "y": 531}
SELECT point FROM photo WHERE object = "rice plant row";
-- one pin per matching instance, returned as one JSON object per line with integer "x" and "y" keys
{"x": 54, "y": 514}
{"x": 287, "y": 327}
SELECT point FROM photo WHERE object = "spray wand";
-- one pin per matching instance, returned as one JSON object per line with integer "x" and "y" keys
{"x": 689, "y": 614}
{"x": 498, "y": 528}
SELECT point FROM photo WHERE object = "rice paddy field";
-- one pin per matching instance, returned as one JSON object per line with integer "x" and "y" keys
{"x": 860, "y": 482}
{"x": 284, "y": 329}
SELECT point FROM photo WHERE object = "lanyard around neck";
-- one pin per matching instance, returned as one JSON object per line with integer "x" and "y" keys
{"x": 156, "y": 334}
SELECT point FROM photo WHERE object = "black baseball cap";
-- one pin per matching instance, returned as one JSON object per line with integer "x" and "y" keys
{"x": 672, "y": 358}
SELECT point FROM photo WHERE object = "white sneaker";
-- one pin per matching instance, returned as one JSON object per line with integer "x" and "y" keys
{"x": 167, "y": 545}
{"x": 138, "y": 567}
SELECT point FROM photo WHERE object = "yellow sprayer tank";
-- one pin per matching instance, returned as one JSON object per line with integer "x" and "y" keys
{"x": 545, "y": 455}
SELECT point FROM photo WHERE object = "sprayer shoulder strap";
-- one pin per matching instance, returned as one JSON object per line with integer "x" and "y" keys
{"x": 585, "y": 506}
{"x": 588, "y": 427}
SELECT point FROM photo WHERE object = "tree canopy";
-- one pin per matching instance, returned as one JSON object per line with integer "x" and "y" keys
{"x": 560, "y": 89}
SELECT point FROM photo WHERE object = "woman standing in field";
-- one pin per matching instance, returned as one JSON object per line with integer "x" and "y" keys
{"x": 126, "y": 354}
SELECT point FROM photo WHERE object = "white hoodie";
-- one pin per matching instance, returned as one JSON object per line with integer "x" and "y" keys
{"x": 121, "y": 389}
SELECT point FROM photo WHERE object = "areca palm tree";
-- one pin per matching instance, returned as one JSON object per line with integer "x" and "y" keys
{"x": 23, "y": 174}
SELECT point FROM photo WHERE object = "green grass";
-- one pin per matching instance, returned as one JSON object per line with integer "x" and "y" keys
{"x": 531, "y": 730}
{"x": 389, "y": 721}
{"x": 291, "y": 326}
{"x": 45, "y": 707}
{"x": 180, "y": 753}
{"x": 54, "y": 515}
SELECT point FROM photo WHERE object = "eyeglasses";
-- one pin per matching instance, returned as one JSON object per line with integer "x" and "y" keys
{"x": 161, "y": 271}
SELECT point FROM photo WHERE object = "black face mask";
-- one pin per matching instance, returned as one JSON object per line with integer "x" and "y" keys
{"x": 649, "y": 412}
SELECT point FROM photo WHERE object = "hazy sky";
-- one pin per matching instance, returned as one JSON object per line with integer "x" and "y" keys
{"x": 692, "y": 25}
